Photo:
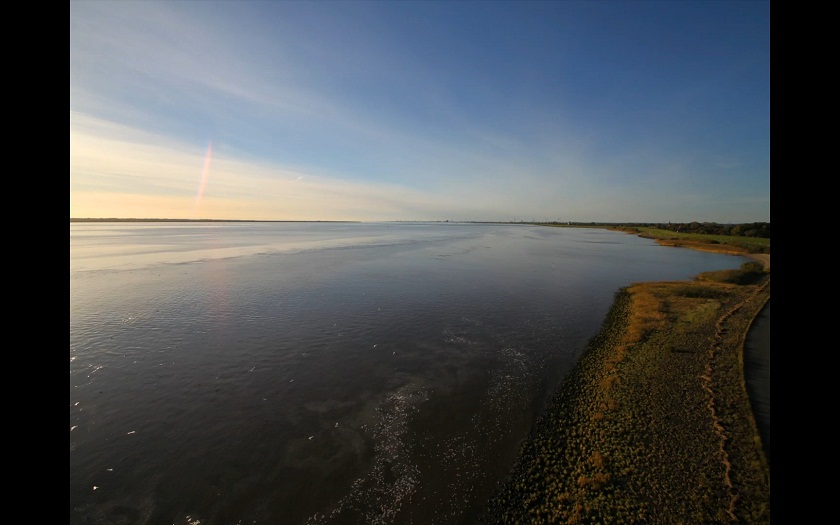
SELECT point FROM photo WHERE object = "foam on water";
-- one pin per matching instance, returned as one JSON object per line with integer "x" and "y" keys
{"x": 378, "y": 497}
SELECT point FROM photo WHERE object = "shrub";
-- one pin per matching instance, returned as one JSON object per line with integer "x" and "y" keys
{"x": 698, "y": 292}
{"x": 749, "y": 273}
{"x": 752, "y": 267}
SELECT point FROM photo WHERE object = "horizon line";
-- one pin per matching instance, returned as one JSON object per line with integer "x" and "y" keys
{"x": 514, "y": 221}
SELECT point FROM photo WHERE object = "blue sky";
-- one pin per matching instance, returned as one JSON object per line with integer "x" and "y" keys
{"x": 613, "y": 111}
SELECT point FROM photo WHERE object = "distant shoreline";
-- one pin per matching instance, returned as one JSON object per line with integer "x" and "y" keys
{"x": 185, "y": 220}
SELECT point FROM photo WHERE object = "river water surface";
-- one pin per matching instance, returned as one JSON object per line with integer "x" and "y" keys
{"x": 304, "y": 373}
{"x": 757, "y": 371}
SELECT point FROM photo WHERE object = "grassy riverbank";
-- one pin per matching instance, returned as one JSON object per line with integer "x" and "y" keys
{"x": 654, "y": 424}
{"x": 731, "y": 244}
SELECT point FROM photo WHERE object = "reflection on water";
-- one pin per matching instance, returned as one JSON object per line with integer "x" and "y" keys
{"x": 325, "y": 373}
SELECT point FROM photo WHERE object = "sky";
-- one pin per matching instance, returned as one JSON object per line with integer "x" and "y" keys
{"x": 582, "y": 111}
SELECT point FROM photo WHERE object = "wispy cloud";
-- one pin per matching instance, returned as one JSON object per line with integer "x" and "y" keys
{"x": 124, "y": 169}
{"x": 361, "y": 111}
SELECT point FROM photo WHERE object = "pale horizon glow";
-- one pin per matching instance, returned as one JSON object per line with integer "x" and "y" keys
{"x": 590, "y": 111}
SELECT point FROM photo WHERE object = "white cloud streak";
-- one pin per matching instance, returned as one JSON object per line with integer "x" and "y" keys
{"x": 298, "y": 136}
{"x": 149, "y": 175}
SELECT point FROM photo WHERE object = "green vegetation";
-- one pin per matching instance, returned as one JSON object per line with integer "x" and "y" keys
{"x": 749, "y": 273}
{"x": 738, "y": 242}
{"x": 654, "y": 424}
{"x": 751, "y": 229}
{"x": 734, "y": 238}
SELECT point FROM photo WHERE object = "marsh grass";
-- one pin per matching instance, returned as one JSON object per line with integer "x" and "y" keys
{"x": 696, "y": 240}
{"x": 654, "y": 425}
{"x": 748, "y": 273}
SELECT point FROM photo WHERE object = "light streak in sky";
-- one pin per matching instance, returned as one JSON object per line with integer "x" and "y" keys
{"x": 205, "y": 171}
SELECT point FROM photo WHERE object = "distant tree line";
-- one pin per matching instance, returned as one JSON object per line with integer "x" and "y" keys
{"x": 750, "y": 229}
{"x": 747, "y": 229}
